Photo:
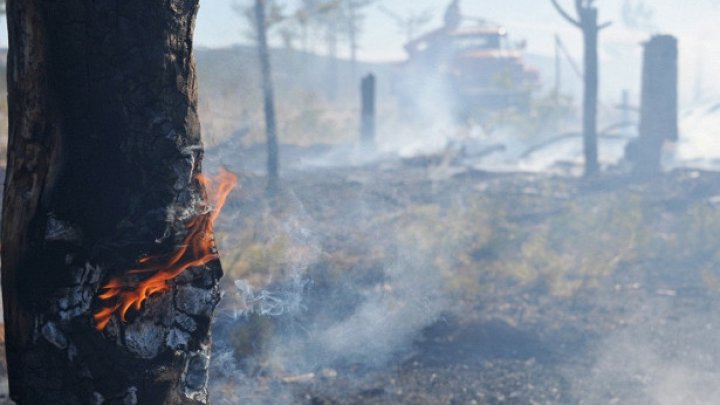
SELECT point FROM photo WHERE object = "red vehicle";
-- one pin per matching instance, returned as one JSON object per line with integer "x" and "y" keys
{"x": 477, "y": 63}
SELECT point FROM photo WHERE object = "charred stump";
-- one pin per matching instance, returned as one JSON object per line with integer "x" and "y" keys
{"x": 367, "y": 114}
{"x": 103, "y": 177}
{"x": 659, "y": 104}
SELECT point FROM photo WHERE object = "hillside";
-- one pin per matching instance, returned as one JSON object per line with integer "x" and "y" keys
{"x": 312, "y": 106}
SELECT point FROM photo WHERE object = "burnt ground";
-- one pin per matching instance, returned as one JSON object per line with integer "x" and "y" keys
{"x": 512, "y": 289}
{"x": 560, "y": 290}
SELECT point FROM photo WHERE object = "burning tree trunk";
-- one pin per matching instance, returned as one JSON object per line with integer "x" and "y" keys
{"x": 587, "y": 22}
{"x": 268, "y": 94}
{"x": 109, "y": 270}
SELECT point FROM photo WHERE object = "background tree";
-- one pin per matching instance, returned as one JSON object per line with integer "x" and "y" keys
{"x": 275, "y": 16}
{"x": 308, "y": 18}
{"x": 411, "y": 23}
{"x": 263, "y": 16}
{"x": 261, "y": 26}
{"x": 104, "y": 168}
{"x": 354, "y": 18}
{"x": 587, "y": 22}
{"x": 637, "y": 14}
{"x": 3, "y": 10}
{"x": 303, "y": 18}
{"x": 331, "y": 21}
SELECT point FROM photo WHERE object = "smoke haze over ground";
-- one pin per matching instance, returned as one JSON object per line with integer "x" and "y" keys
{"x": 465, "y": 260}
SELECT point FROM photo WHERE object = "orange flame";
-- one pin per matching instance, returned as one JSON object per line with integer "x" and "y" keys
{"x": 197, "y": 249}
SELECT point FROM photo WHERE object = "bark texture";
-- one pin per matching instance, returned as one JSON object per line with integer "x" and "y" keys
{"x": 103, "y": 156}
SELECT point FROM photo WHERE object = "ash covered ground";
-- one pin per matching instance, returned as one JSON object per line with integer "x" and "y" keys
{"x": 419, "y": 281}
{"x": 423, "y": 281}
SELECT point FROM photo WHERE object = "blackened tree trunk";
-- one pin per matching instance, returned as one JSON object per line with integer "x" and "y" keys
{"x": 103, "y": 164}
{"x": 587, "y": 22}
{"x": 659, "y": 105}
{"x": 268, "y": 95}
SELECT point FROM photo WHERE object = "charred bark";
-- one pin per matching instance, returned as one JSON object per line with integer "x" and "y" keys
{"x": 104, "y": 154}
{"x": 268, "y": 96}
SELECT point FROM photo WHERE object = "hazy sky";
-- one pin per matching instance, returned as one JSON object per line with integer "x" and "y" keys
{"x": 219, "y": 25}
{"x": 693, "y": 21}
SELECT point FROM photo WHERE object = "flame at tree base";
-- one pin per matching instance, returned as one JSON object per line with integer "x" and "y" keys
{"x": 197, "y": 249}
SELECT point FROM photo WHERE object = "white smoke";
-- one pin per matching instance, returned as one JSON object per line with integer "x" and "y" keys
{"x": 662, "y": 358}
{"x": 383, "y": 325}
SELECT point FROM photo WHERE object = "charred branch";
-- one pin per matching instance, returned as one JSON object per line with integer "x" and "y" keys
{"x": 565, "y": 14}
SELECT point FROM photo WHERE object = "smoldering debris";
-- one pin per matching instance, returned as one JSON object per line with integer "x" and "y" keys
{"x": 309, "y": 332}
{"x": 472, "y": 288}
{"x": 382, "y": 324}
{"x": 311, "y": 321}
{"x": 268, "y": 303}
{"x": 413, "y": 272}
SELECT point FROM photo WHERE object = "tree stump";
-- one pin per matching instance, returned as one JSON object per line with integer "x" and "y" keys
{"x": 659, "y": 104}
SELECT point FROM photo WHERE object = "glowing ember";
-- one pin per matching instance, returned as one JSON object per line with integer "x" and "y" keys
{"x": 197, "y": 249}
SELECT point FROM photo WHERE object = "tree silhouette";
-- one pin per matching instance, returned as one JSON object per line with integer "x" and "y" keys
{"x": 261, "y": 24}
{"x": 587, "y": 22}
{"x": 354, "y": 17}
